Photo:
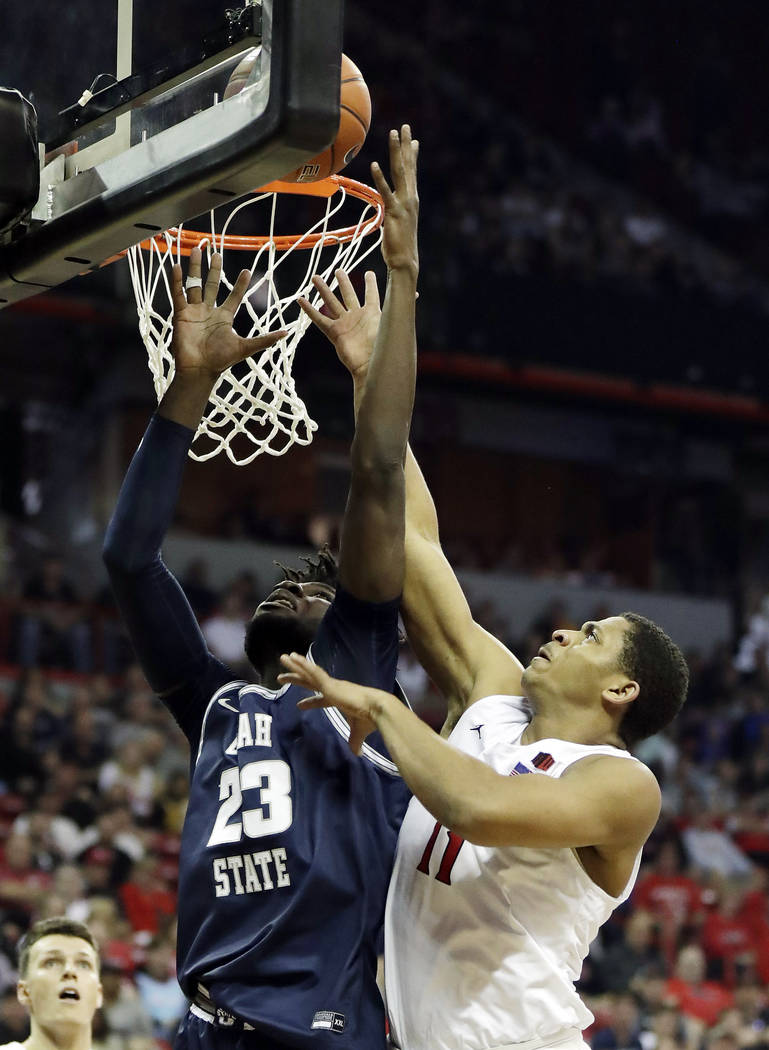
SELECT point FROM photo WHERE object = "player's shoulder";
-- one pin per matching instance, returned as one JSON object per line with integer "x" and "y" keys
{"x": 624, "y": 781}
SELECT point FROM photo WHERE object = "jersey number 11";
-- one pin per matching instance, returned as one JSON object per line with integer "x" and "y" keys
{"x": 450, "y": 854}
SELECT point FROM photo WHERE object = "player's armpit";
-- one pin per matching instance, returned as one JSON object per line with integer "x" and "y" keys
{"x": 604, "y": 802}
{"x": 464, "y": 660}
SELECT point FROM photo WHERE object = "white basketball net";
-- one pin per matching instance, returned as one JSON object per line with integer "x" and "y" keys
{"x": 254, "y": 408}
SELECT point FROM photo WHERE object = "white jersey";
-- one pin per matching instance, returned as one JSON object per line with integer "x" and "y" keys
{"x": 12, "y": 1046}
{"x": 483, "y": 944}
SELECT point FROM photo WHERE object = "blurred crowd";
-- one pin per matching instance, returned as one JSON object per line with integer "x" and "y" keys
{"x": 93, "y": 782}
{"x": 601, "y": 151}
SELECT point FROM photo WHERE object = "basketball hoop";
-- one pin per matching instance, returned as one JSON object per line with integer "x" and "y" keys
{"x": 254, "y": 407}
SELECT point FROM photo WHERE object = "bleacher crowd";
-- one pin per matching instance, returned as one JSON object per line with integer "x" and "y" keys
{"x": 93, "y": 794}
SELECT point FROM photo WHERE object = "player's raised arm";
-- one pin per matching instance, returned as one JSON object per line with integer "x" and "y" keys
{"x": 463, "y": 659}
{"x": 371, "y": 558}
{"x": 161, "y": 624}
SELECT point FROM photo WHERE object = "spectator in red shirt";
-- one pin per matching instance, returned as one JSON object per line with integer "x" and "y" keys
{"x": 672, "y": 896}
{"x": 727, "y": 936}
{"x": 22, "y": 885}
{"x": 145, "y": 898}
{"x": 694, "y": 996}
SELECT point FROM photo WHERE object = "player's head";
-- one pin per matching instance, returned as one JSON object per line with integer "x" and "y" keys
{"x": 59, "y": 975}
{"x": 626, "y": 664}
{"x": 289, "y": 617}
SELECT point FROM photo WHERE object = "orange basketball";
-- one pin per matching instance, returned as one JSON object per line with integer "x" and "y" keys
{"x": 354, "y": 122}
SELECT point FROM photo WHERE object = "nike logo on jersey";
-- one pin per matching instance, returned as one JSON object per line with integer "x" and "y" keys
{"x": 224, "y": 702}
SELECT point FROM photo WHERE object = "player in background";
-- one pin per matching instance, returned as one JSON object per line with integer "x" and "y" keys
{"x": 289, "y": 839}
{"x": 59, "y": 985}
{"x": 513, "y": 854}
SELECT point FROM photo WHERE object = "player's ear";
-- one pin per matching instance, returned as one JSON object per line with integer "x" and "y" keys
{"x": 100, "y": 998}
{"x": 22, "y": 993}
{"x": 621, "y": 693}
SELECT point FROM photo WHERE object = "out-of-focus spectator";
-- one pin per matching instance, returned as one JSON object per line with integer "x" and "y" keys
{"x": 694, "y": 995}
{"x": 174, "y": 803}
{"x": 83, "y": 745}
{"x": 667, "y": 892}
{"x": 632, "y": 954}
{"x": 710, "y": 849}
{"x": 111, "y": 845}
{"x": 71, "y": 784}
{"x": 53, "y": 836}
{"x": 666, "y": 1028}
{"x": 129, "y": 770}
{"x": 21, "y": 764}
{"x": 22, "y": 884}
{"x": 112, "y": 932}
{"x": 753, "y": 647}
{"x": 225, "y": 631}
{"x": 146, "y": 900}
{"x": 195, "y": 584}
{"x": 14, "y": 1020}
{"x": 623, "y": 1031}
{"x": 160, "y": 993}
{"x": 53, "y": 628}
{"x": 69, "y": 886}
{"x": 123, "y": 1010}
{"x": 727, "y": 937}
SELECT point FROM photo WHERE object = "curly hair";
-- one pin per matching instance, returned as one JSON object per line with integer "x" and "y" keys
{"x": 324, "y": 569}
{"x": 45, "y": 928}
{"x": 653, "y": 660}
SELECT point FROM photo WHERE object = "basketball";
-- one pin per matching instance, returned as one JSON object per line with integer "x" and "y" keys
{"x": 354, "y": 120}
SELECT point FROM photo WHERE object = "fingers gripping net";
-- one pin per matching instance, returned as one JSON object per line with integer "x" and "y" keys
{"x": 254, "y": 407}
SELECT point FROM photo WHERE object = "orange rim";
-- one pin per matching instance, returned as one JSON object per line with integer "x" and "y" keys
{"x": 185, "y": 241}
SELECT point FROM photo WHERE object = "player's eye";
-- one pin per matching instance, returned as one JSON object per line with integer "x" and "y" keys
{"x": 85, "y": 964}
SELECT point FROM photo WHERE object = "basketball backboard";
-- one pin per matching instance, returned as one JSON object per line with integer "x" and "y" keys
{"x": 135, "y": 133}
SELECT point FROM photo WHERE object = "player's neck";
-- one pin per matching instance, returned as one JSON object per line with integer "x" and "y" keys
{"x": 269, "y": 671}
{"x": 576, "y": 727}
{"x": 58, "y": 1037}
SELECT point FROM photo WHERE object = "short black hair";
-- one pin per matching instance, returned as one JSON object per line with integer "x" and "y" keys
{"x": 651, "y": 658}
{"x": 323, "y": 569}
{"x": 44, "y": 928}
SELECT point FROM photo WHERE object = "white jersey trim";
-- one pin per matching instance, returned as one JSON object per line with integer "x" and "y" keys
{"x": 342, "y": 726}
{"x": 219, "y": 692}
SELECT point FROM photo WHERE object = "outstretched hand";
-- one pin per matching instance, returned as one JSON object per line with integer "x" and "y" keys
{"x": 356, "y": 702}
{"x": 401, "y": 203}
{"x": 204, "y": 341}
{"x": 352, "y": 328}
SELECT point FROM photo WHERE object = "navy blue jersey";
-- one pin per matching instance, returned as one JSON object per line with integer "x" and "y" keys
{"x": 287, "y": 848}
{"x": 289, "y": 838}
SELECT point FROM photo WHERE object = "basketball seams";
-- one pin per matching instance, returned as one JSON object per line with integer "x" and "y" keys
{"x": 357, "y": 117}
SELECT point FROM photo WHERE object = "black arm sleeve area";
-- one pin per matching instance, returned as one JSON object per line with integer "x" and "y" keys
{"x": 358, "y": 641}
{"x": 165, "y": 634}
